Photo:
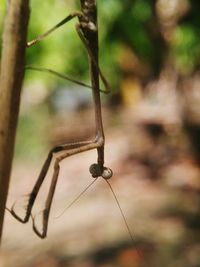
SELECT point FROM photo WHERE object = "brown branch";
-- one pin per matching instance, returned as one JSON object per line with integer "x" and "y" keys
{"x": 11, "y": 78}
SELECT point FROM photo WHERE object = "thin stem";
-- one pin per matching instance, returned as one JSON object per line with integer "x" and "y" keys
{"x": 11, "y": 79}
{"x": 58, "y": 216}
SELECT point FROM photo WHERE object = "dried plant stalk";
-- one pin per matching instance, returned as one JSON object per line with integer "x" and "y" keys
{"x": 11, "y": 78}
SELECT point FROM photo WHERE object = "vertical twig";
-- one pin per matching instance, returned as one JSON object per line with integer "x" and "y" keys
{"x": 11, "y": 78}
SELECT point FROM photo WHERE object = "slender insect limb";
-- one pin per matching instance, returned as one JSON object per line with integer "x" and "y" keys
{"x": 46, "y": 211}
{"x": 66, "y": 154}
{"x": 62, "y": 22}
{"x": 60, "y": 75}
{"x": 81, "y": 35}
{"x": 34, "y": 191}
{"x": 41, "y": 178}
{"x": 84, "y": 41}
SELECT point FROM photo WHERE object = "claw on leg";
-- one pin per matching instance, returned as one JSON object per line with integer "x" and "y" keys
{"x": 16, "y": 216}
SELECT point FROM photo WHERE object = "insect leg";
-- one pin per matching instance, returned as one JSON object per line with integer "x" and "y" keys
{"x": 48, "y": 203}
{"x": 60, "y": 75}
{"x": 61, "y": 23}
{"x": 84, "y": 41}
{"x": 41, "y": 178}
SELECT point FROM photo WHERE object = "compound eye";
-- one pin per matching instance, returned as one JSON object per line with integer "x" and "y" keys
{"x": 95, "y": 170}
{"x": 107, "y": 173}
{"x": 91, "y": 26}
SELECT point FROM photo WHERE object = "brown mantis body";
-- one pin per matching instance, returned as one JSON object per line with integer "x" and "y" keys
{"x": 87, "y": 29}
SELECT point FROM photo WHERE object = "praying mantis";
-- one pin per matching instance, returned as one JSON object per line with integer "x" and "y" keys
{"x": 87, "y": 29}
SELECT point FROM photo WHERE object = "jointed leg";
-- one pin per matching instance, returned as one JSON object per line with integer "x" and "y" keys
{"x": 67, "y": 153}
{"x": 81, "y": 35}
{"x": 42, "y": 176}
{"x": 84, "y": 41}
{"x": 34, "y": 191}
{"x": 62, "y": 76}
{"x": 62, "y": 22}
{"x": 46, "y": 211}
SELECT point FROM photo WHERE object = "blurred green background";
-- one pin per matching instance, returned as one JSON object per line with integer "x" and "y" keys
{"x": 152, "y": 35}
{"x": 150, "y": 54}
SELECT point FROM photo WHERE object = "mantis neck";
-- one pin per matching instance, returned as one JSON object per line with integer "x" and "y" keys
{"x": 89, "y": 8}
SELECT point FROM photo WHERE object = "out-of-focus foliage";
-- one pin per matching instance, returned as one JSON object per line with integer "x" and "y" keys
{"x": 55, "y": 51}
{"x": 2, "y": 11}
{"x": 136, "y": 38}
{"x": 150, "y": 53}
{"x": 140, "y": 25}
{"x": 186, "y": 35}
